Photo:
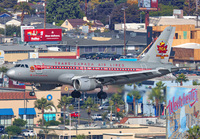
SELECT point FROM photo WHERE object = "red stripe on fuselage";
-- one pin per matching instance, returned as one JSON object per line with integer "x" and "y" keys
{"x": 40, "y": 67}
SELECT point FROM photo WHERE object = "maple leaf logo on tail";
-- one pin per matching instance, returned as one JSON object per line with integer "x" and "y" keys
{"x": 162, "y": 49}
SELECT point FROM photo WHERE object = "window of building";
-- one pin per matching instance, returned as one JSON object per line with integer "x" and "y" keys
{"x": 102, "y": 49}
{"x": 5, "y": 120}
{"x": 176, "y": 35}
{"x": 49, "y": 117}
{"x": 113, "y": 49}
{"x": 29, "y": 119}
{"x": 66, "y": 23}
{"x": 88, "y": 49}
{"x": 192, "y": 35}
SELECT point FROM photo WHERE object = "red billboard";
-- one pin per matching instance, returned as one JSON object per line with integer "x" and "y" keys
{"x": 36, "y": 35}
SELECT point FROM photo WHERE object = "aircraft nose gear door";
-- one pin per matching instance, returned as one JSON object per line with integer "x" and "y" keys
{"x": 38, "y": 67}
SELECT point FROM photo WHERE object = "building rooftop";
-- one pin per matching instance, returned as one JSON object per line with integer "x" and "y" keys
{"x": 172, "y": 20}
{"x": 15, "y": 96}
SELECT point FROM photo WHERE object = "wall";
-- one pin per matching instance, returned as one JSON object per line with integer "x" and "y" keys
{"x": 182, "y": 110}
{"x": 14, "y": 57}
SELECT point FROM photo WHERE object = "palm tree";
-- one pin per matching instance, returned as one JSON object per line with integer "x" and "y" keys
{"x": 111, "y": 103}
{"x": 23, "y": 7}
{"x": 89, "y": 104}
{"x": 157, "y": 96}
{"x": 117, "y": 99}
{"x": 42, "y": 104}
{"x": 193, "y": 132}
{"x": 136, "y": 96}
{"x": 63, "y": 103}
{"x": 181, "y": 78}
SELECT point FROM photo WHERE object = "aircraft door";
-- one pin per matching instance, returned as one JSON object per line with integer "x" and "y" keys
{"x": 38, "y": 67}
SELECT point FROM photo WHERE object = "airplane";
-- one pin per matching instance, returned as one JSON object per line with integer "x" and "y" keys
{"x": 86, "y": 75}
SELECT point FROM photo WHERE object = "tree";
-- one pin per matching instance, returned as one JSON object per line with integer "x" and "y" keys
{"x": 117, "y": 99}
{"x": 63, "y": 103}
{"x": 136, "y": 96}
{"x": 157, "y": 96}
{"x": 10, "y": 29}
{"x": 89, "y": 104}
{"x": 42, "y": 104}
{"x": 19, "y": 122}
{"x": 165, "y": 10}
{"x": 23, "y": 7}
{"x": 3, "y": 69}
{"x": 102, "y": 12}
{"x": 193, "y": 132}
{"x": 181, "y": 78}
{"x": 58, "y": 11}
{"x": 13, "y": 130}
{"x": 7, "y": 3}
{"x": 189, "y": 7}
{"x": 52, "y": 123}
{"x": 131, "y": 11}
{"x": 111, "y": 103}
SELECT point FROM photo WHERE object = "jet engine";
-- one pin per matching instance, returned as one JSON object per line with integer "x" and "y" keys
{"x": 46, "y": 87}
{"x": 85, "y": 84}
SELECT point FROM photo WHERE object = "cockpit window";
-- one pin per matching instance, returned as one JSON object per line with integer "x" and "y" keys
{"x": 21, "y": 65}
{"x": 17, "y": 65}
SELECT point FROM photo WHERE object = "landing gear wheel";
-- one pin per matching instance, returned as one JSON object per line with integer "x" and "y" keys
{"x": 32, "y": 93}
{"x": 102, "y": 95}
{"x": 76, "y": 94}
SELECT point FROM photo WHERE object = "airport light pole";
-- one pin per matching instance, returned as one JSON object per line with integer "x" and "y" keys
{"x": 124, "y": 9}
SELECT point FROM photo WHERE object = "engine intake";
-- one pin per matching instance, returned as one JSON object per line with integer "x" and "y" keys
{"x": 85, "y": 84}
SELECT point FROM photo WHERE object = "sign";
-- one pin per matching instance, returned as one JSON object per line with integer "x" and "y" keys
{"x": 33, "y": 55}
{"x": 182, "y": 110}
{"x": 49, "y": 97}
{"x": 22, "y": 31}
{"x": 148, "y": 4}
{"x": 1, "y": 57}
{"x": 37, "y": 35}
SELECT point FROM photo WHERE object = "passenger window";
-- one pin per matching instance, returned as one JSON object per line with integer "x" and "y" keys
{"x": 26, "y": 65}
{"x": 22, "y": 65}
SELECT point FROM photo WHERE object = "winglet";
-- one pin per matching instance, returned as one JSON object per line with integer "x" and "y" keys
{"x": 160, "y": 50}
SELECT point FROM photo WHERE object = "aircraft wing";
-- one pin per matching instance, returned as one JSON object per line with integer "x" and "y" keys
{"x": 126, "y": 75}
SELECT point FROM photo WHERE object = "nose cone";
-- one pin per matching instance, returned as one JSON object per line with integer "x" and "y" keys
{"x": 11, "y": 73}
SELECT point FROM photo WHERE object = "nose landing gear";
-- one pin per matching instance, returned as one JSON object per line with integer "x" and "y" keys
{"x": 32, "y": 93}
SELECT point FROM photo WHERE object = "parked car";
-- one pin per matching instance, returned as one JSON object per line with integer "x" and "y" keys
{"x": 104, "y": 106}
{"x": 76, "y": 104}
{"x": 75, "y": 114}
{"x": 83, "y": 56}
{"x": 29, "y": 133}
{"x": 96, "y": 117}
{"x": 113, "y": 117}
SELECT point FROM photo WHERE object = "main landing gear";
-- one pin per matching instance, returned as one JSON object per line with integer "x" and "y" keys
{"x": 101, "y": 94}
{"x": 76, "y": 94}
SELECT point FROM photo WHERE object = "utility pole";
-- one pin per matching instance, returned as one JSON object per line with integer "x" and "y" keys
{"x": 86, "y": 8}
{"x": 45, "y": 14}
{"x": 124, "y": 9}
